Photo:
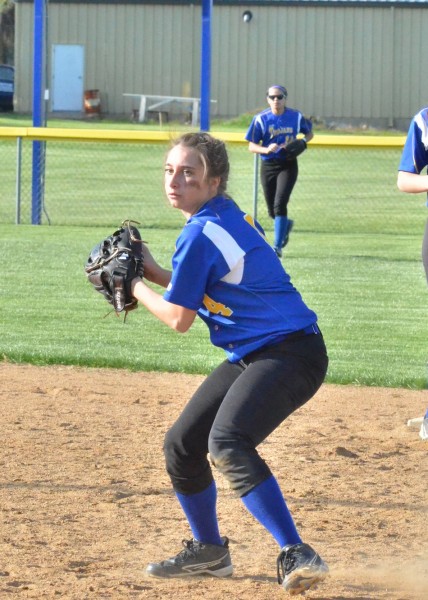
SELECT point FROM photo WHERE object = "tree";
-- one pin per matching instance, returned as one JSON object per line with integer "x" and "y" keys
{"x": 7, "y": 31}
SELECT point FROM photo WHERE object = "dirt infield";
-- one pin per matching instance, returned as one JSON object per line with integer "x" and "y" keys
{"x": 85, "y": 501}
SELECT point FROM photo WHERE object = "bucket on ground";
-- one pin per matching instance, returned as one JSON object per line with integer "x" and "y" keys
{"x": 92, "y": 102}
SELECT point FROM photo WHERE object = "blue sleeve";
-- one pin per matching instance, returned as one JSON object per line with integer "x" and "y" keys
{"x": 305, "y": 126}
{"x": 414, "y": 156}
{"x": 254, "y": 133}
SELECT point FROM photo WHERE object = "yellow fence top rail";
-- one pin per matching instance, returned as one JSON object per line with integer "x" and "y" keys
{"x": 113, "y": 135}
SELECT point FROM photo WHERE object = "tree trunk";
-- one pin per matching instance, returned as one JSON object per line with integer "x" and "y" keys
{"x": 7, "y": 33}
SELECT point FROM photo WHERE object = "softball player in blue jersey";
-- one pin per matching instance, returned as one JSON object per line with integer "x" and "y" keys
{"x": 224, "y": 271}
{"x": 413, "y": 160}
{"x": 268, "y": 135}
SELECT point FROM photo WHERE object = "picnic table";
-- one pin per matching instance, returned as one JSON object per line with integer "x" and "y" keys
{"x": 152, "y": 102}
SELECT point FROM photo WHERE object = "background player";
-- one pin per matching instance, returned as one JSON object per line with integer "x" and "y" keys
{"x": 268, "y": 135}
{"x": 413, "y": 160}
{"x": 224, "y": 271}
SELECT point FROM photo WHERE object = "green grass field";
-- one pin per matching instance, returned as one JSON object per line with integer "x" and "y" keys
{"x": 239, "y": 123}
{"x": 367, "y": 288}
{"x": 354, "y": 255}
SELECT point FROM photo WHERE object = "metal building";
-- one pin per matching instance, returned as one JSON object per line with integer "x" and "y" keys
{"x": 343, "y": 61}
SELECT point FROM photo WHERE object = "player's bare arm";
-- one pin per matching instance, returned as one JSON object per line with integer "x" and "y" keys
{"x": 177, "y": 317}
{"x": 412, "y": 183}
{"x": 257, "y": 149}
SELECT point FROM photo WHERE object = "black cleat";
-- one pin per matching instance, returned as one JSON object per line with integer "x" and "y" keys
{"x": 299, "y": 568}
{"x": 195, "y": 559}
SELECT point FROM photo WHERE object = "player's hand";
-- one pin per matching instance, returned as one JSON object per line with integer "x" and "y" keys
{"x": 273, "y": 148}
{"x": 153, "y": 271}
{"x": 150, "y": 265}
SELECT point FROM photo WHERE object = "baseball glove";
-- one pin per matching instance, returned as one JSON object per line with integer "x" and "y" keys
{"x": 113, "y": 264}
{"x": 295, "y": 148}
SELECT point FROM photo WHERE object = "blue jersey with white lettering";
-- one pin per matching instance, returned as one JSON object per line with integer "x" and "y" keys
{"x": 224, "y": 268}
{"x": 415, "y": 152}
{"x": 267, "y": 128}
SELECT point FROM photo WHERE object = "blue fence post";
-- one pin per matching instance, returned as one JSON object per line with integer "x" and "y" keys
{"x": 37, "y": 179}
{"x": 206, "y": 64}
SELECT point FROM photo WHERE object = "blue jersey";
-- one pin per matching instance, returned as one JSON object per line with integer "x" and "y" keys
{"x": 415, "y": 152}
{"x": 224, "y": 269}
{"x": 267, "y": 128}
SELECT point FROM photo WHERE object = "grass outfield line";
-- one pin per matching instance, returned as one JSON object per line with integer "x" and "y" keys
{"x": 367, "y": 288}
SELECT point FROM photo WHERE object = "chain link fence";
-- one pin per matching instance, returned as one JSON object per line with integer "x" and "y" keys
{"x": 97, "y": 182}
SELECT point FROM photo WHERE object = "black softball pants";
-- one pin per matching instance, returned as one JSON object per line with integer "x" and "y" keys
{"x": 236, "y": 408}
{"x": 425, "y": 250}
{"x": 278, "y": 179}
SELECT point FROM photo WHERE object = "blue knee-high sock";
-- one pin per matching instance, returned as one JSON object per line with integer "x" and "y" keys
{"x": 280, "y": 230}
{"x": 266, "y": 503}
{"x": 201, "y": 513}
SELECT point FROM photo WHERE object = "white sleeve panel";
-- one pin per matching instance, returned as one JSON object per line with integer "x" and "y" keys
{"x": 232, "y": 253}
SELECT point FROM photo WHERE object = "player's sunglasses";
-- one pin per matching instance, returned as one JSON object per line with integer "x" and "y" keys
{"x": 279, "y": 97}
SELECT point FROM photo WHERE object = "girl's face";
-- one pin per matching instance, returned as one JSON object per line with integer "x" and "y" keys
{"x": 276, "y": 100}
{"x": 186, "y": 185}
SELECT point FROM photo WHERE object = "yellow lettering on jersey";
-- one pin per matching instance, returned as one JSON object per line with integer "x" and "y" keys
{"x": 216, "y": 307}
{"x": 282, "y": 130}
{"x": 251, "y": 222}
